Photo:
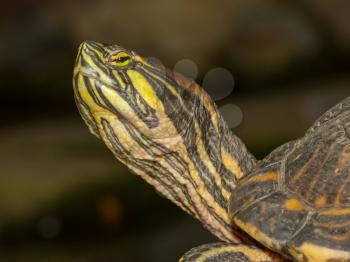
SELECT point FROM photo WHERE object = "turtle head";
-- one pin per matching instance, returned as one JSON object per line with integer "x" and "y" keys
{"x": 137, "y": 98}
{"x": 111, "y": 84}
{"x": 118, "y": 87}
{"x": 164, "y": 127}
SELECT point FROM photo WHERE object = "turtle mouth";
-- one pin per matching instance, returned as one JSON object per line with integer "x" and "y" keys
{"x": 95, "y": 77}
{"x": 86, "y": 108}
{"x": 79, "y": 69}
{"x": 82, "y": 68}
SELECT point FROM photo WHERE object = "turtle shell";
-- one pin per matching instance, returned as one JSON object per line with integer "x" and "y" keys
{"x": 297, "y": 200}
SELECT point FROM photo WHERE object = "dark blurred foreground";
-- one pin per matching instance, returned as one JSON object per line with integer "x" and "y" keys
{"x": 63, "y": 197}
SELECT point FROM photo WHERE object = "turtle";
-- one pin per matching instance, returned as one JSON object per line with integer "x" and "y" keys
{"x": 292, "y": 205}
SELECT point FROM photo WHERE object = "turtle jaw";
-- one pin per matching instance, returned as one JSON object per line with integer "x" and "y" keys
{"x": 84, "y": 106}
{"x": 91, "y": 80}
{"x": 85, "y": 76}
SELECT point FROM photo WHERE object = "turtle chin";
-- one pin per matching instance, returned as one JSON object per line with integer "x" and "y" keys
{"x": 88, "y": 106}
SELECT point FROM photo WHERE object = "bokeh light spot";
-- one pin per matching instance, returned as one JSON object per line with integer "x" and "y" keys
{"x": 232, "y": 114}
{"x": 187, "y": 68}
{"x": 156, "y": 62}
{"x": 219, "y": 83}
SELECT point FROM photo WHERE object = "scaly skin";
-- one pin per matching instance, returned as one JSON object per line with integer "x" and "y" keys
{"x": 165, "y": 128}
{"x": 168, "y": 131}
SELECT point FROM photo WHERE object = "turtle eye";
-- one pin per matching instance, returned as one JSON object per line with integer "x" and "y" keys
{"x": 120, "y": 59}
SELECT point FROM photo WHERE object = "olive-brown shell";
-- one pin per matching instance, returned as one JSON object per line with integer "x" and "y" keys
{"x": 297, "y": 201}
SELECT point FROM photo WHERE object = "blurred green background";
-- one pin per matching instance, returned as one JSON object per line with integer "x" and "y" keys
{"x": 63, "y": 197}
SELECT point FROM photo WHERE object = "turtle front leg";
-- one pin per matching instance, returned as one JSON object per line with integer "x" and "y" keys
{"x": 227, "y": 252}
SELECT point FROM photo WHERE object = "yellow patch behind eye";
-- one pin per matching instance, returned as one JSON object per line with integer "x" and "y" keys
{"x": 120, "y": 59}
{"x": 144, "y": 89}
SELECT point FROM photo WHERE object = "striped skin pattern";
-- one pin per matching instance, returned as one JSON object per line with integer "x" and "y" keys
{"x": 297, "y": 202}
{"x": 225, "y": 252}
{"x": 165, "y": 128}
